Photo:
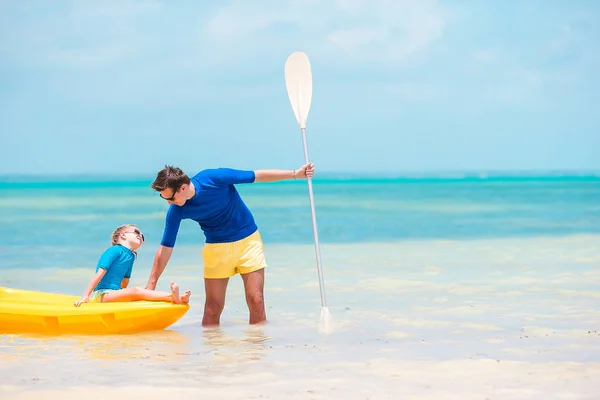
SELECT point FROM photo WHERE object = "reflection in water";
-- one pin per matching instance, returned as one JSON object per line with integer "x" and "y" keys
{"x": 120, "y": 358}
{"x": 167, "y": 345}
{"x": 164, "y": 345}
{"x": 225, "y": 348}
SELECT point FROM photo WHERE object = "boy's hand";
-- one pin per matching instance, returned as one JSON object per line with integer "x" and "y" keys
{"x": 84, "y": 299}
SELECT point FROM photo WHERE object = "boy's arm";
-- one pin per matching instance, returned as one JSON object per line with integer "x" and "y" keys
{"x": 93, "y": 282}
{"x": 127, "y": 276}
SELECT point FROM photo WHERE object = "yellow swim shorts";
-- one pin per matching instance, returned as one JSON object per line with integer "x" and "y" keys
{"x": 223, "y": 260}
{"x": 96, "y": 296}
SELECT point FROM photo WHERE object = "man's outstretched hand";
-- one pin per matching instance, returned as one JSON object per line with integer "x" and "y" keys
{"x": 305, "y": 171}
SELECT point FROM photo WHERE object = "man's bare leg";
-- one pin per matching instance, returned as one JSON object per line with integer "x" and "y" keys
{"x": 254, "y": 283}
{"x": 215, "y": 300}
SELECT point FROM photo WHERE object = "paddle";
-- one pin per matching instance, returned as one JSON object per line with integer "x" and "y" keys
{"x": 298, "y": 82}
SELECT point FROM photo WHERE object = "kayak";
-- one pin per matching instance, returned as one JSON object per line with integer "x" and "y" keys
{"x": 28, "y": 311}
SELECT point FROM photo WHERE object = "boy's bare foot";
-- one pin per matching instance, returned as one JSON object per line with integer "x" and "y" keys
{"x": 175, "y": 293}
{"x": 186, "y": 297}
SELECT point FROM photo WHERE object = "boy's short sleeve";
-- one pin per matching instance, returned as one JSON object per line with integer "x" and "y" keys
{"x": 107, "y": 258}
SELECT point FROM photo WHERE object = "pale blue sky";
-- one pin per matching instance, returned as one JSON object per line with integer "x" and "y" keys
{"x": 119, "y": 86}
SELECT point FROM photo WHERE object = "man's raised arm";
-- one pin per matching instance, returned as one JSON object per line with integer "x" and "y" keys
{"x": 272, "y": 175}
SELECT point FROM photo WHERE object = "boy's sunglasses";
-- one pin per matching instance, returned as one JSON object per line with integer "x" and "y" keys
{"x": 174, "y": 193}
{"x": 137, "y": 232}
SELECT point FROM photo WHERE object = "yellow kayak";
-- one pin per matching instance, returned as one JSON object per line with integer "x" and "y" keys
{"x": 27, "y": 311}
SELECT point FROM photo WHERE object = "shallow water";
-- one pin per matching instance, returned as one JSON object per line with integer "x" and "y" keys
{"x": 430, "y": 304}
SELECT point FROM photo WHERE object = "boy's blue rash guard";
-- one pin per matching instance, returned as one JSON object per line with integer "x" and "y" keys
{"x": 118, "y": 261}
{"x": 217, "y": 207}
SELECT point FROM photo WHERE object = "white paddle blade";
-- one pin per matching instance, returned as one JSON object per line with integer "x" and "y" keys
{"x": 298, "y": 81}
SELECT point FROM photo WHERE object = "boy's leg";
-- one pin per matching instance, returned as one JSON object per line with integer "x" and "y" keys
{"x": 139, "y": 294}
{"x": 136, "y": 294}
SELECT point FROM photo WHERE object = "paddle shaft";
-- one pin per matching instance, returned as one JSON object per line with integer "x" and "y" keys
{"x": 314, "y": 223}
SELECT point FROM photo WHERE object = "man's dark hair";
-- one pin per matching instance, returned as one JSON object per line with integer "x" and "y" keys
{"x": 169, "y": 177}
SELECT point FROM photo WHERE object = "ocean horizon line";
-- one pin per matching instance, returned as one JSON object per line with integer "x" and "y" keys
{"x": 329, "y": 177}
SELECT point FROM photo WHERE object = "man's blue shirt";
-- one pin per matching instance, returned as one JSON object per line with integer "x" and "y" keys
{"x": 217, "y": 207}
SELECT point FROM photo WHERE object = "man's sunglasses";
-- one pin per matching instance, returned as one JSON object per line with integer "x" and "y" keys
{"x": 137, "y": 232}
{"x": 172, "y": 197}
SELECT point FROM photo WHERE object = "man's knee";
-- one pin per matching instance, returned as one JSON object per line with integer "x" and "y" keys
{"x": 255, "y": 299}
{"x": 213, "y": 307}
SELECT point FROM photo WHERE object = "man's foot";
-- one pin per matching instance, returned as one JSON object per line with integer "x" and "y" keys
{"x": 186, "y": 297}
{"x": 175, "y": 293}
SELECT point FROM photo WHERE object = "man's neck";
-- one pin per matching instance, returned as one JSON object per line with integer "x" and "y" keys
{"x": 191, "y": 192}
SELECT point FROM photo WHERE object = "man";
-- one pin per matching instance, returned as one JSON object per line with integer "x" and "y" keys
{"x": 233, "y": 243}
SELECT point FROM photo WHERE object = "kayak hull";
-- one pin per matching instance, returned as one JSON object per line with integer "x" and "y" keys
{"x": 26, "y": 311}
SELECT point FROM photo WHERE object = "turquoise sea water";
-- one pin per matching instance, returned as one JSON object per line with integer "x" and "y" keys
{"x": 416, "y": 270}
{"x": 65, "y": 216}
